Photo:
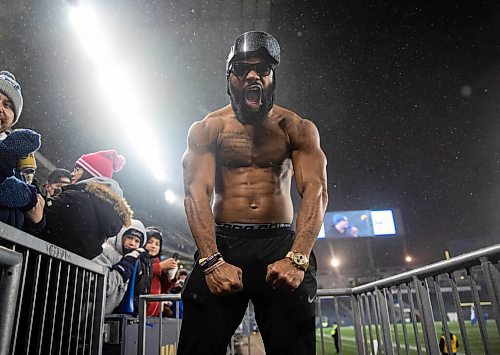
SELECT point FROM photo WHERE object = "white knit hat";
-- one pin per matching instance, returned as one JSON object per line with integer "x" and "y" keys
{"x": 10, "y": 88}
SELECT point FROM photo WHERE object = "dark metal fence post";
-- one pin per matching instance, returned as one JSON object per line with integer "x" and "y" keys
{"x": 11, "y": 262}
{"x": 492, "y": 280}
{"x": 384, "y": 321}
{"x": 358, "y": 327}
{"x": 429, "y": 331}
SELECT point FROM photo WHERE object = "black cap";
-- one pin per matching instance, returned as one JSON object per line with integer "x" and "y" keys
{"x": 56, "y": 175}
{"x": 254, "y": 44}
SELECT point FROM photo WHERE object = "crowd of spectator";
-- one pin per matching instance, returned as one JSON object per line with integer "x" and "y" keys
{"x": 83, "y": 211}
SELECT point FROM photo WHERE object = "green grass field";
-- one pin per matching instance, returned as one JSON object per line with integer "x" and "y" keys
{"x": 349, "y": 347}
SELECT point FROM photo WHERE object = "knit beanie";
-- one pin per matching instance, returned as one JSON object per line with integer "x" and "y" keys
{"x": 338, "y": 217}
{"x": 10, "y": 88}
{"x": 102, "y": 163}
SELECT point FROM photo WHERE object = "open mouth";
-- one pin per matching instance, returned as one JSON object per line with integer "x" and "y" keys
{"x": 253, "y": 97}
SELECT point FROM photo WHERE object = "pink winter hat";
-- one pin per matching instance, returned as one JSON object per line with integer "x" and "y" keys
{"x": 102, "y": 163}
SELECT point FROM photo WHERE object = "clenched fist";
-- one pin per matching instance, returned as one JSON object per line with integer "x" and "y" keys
{"x": 283, "y": 274}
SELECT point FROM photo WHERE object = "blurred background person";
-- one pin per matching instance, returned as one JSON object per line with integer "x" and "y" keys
{"x": 177, "y": 306}
{"x": 342, "y": 228}
{"x": 443, "y": 347}
{"x": 180, "y": 278}
{"x": 335, "y": 335}
{"x": 56, "y": 180}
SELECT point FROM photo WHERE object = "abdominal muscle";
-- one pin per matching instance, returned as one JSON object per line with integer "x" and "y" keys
{"x": 253, "y": 195}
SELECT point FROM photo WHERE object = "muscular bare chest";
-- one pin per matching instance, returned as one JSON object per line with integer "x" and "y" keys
{"x": 262, "y": 147}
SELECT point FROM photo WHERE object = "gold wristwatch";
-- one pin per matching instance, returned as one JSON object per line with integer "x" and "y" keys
{"x": 301, "y": 261}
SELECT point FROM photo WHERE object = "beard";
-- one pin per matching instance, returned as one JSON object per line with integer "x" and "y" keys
{"x": 245, "y": 113}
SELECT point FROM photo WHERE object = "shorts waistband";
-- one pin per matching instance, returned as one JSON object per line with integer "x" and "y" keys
{"x": 253, "y": 227}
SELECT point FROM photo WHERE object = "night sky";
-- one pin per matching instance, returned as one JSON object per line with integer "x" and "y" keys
{"x": 406, "y": 99}
{"x": 405, "y": 96}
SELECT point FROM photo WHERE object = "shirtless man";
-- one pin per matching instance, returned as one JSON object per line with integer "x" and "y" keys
{"x": 245, "y": 154}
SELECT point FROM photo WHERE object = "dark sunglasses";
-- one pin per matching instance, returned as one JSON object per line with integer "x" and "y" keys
{"x": 242, "y": 69}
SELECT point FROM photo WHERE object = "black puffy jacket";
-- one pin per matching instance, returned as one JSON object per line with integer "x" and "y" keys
{"x": 83, "y": 216}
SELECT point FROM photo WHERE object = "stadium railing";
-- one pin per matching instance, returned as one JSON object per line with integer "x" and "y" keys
{"x": 381, "y": 310}
{"x": 51, "y": 300}
{"x": 403, "y": 313}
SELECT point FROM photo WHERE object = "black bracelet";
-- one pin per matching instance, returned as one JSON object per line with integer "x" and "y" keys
{"x": 209, "y": 261}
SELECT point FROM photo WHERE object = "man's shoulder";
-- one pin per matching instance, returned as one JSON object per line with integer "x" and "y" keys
{"x": 288, "y": 118}
{"x": 294, "y": 125}
{"x": 219, "y": 116}
{"x": 214, "y": 121}
{"x": 281, "y": 112}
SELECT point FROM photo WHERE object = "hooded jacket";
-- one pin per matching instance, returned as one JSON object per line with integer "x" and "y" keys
{"x": 83, "y": 215}
{"x": 112, "y": 253}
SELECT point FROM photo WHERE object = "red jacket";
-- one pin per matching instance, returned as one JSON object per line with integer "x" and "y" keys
{"x": 159, "y": 284}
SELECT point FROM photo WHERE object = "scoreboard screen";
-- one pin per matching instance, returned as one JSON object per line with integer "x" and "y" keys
{"x": 362, "y": 223}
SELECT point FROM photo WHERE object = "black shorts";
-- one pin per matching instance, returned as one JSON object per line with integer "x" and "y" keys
{"x": 285, "y": 319}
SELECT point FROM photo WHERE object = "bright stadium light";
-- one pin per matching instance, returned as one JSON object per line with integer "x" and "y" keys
{"x": 149, "y": 151}
{"x": 335, "y": 262}
{"x": 117, "y": 85}
{"x": 170, "y": 197}
{"x": 89, "y": 31}
{"x": 160, "y": 175}
{"x": 408, "y": 258}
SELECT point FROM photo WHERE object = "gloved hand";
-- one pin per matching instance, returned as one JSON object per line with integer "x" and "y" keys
{"x": 126, "y": 265}
{"x": 15, "y": 193}
{"x": 137, "y": 253}
{"x": 16, "y": 145}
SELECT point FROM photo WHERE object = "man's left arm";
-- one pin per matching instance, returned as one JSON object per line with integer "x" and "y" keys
{"x": 309, "y": 164}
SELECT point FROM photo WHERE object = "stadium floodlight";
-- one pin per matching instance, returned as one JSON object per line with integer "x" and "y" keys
{"x": 142, "y": 142}
{"x": 116, "y": 84}
{"x": 408, "y": 258}
{"x": 90, "y": 32}
{"x": 160, "y": 175}
{"x": 170, "y": 197}
{"x": 335, "y": 262}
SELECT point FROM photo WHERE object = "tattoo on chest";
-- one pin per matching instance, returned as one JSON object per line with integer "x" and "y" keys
{"x": 235, "y": 143}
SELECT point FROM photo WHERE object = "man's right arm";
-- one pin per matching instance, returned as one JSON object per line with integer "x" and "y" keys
{"x": 199, "y": 167}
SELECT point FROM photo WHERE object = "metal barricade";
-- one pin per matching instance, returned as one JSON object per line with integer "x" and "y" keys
{"x": 170, "y": 346}
{"x": 414, "y": 311}
{"x": 409, "y": 313}
{"x": 51, "y": 300}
